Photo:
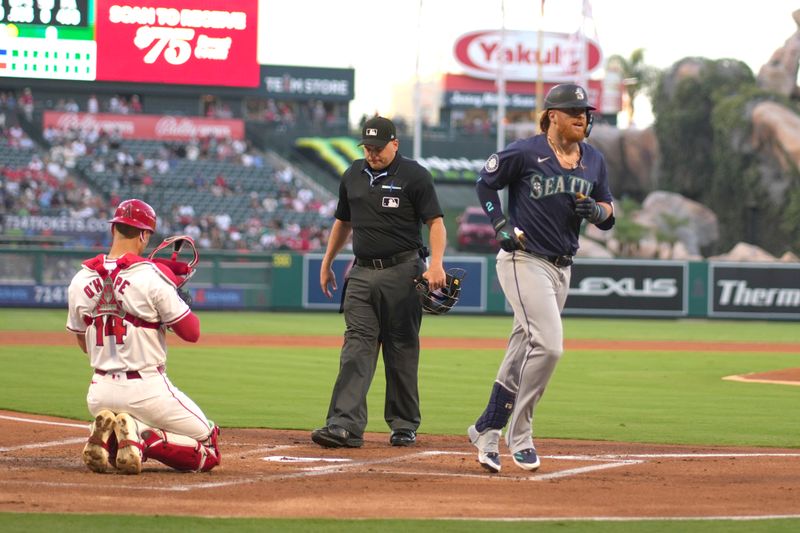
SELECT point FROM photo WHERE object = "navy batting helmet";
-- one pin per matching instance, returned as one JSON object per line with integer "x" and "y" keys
{"x": 566, "y": 96}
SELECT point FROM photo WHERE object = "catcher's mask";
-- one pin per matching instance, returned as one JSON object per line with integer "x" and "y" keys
{"x": 183, "y": 270}
{"x": 441, "y": 301}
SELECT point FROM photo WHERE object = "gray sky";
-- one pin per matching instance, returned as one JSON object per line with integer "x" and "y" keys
{"x": 380, "y": 39}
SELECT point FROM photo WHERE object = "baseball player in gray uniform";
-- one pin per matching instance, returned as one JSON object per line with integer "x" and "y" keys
{"x": 555, "y": 181}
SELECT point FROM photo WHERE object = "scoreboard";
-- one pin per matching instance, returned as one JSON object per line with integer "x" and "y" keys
{"x": 194, "y": 42}
{"x": 67, "y": 13}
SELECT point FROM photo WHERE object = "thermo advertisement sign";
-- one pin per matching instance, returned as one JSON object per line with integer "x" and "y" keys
{"x": 754, "y": 291}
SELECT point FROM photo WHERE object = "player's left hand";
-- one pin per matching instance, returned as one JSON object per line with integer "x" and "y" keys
{"x": 435, "y": 277}
{"x": 586, "y": 207}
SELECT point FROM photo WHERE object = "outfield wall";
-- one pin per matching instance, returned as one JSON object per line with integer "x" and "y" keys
{"x": 38, "y": 277}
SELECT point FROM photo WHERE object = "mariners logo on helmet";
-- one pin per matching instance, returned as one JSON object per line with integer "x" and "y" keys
{"x": 492, "y": 163}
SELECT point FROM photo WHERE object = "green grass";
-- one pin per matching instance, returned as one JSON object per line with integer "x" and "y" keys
{"x": 649, "y": 396}
{"x": 64, "y": 523}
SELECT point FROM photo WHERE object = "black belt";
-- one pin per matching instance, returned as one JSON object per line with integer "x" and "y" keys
{"x": 557, "y": 260}
{"x": 380, "y": 264}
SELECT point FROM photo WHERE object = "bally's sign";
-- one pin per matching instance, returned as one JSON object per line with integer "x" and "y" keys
{"x": 482, "y": 53}
{"x": 632, "y": 288}
{"x": 754, "y": 290}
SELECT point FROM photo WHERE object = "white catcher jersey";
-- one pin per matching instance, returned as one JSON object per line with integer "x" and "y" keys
{"x": 142, "y": 291}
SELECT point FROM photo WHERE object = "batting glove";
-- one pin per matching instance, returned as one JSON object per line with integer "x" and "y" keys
{"x": 586, "y": 207}
{"x": 506, "y": 236}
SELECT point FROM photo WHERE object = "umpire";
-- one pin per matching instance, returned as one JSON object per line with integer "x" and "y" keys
{"x": 383, "y": 201}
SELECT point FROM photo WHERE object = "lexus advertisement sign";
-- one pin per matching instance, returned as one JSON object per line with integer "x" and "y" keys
{"x": 633, "y": 288}
{"x": 754, "y": 291}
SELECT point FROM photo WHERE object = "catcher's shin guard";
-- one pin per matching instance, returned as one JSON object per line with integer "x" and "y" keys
{"x": 129, "y": 452}
{"x": 100, "y": 451}
{"x": 181, "y": 452}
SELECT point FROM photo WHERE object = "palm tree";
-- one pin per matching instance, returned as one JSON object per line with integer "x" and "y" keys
{"x": 637, "y": 77}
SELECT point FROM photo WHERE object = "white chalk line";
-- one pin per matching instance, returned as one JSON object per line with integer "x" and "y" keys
{"x": 48, "y": 444}
{"x": 85, "y": 425}
{"x": 618, "y": 460}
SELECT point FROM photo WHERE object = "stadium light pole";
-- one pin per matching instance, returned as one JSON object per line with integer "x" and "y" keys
{"x": 417, "y": 92}
{"x": 501, "y": 82}
{"x": 540, "y": 67}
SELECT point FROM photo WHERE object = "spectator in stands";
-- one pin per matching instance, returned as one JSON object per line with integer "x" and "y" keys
{"x": 26, "y": 103}
{"x": 135, "y": 104}
{"x": 92, "y": 105}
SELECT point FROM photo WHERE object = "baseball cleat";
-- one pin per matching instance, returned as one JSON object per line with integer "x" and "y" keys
{"x": 487, "y": 443}
{"x": 129, "y": 454}
{"x": 96, "y": 451}
{"x": 526, "y": 459}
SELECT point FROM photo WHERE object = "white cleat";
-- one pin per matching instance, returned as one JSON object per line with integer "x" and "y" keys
{"x": 129, "y": 454}
{"x": 487, "y": 444}
{"x": 95, "y": 453}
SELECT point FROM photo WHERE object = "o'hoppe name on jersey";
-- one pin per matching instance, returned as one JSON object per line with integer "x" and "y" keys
{"x": 542, "y": 186}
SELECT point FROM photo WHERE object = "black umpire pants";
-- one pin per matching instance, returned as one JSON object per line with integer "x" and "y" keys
{"x": 381, "y": 309}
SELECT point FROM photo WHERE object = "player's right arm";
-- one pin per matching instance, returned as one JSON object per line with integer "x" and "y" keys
{"x": 340, "y": 232}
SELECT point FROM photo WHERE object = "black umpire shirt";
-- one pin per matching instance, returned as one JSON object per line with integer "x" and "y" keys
{"x": 387, "y": 208}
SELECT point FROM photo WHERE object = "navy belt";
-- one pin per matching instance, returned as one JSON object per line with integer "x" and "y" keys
{"x": 380, "y": 264}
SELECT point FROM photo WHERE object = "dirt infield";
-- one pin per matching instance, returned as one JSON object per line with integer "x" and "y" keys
{"x": 269, "y": 473}
{"x": 55, "y": 338}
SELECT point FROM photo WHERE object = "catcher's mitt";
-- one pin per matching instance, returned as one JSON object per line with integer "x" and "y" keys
{"x": 181, "y": 271}
{"x": 441, "y": 301}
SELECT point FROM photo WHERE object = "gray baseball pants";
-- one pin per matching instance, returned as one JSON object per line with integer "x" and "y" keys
{"x": 537, "y": 291}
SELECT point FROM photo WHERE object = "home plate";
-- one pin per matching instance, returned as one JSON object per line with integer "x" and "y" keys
{"x": 289, "y": 459}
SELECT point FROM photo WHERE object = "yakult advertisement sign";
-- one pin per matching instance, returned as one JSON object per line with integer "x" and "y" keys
{"x": 155, "y": 127}
{"x": 480, "y": 54}
{"x": 191, "y": 42}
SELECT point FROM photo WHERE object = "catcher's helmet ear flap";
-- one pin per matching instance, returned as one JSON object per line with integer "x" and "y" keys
{"x": 135, "y": 213}
{"x": 567, "y": 95}
{"x": 441, "y": 301}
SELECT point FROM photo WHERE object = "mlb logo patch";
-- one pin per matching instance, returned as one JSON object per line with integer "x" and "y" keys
{"x": 372, "y": 132}
{"x": 391, "y": 201}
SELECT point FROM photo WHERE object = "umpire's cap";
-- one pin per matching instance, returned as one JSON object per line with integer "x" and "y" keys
{"x": 566, "y": 96}
{"x": 378, "y": 131}
{"x": 135, "y": 213}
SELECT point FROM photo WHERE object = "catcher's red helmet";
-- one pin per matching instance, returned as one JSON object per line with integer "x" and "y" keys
{"x": 135, "y": 213}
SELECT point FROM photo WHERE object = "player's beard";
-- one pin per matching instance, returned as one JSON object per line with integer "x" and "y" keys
{"x": 568, "y": 131}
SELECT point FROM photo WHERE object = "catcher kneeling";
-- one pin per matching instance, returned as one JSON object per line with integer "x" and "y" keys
{"x": 120, "y": 307}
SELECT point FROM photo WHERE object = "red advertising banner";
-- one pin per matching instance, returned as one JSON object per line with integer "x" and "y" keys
{"x": 190, "y": 42}
{"x": 153, "y": 127}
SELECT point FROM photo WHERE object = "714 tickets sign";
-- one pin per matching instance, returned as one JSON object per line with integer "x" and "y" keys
{"x": 192, "y": 42}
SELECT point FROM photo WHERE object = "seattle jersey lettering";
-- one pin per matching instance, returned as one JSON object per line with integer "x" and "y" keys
{"x": 547, "y": 186}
